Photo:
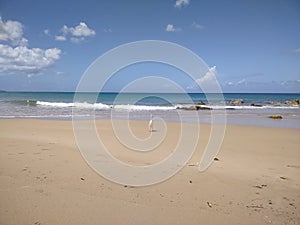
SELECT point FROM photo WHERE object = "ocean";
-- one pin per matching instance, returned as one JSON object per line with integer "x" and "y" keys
{"x": 254, "y": 110}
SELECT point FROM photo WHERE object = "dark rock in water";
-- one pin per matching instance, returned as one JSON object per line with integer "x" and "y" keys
{"x": 257, "y": 105}
{"x": 197, "y": 107}
{"x": 276, "y": 117}
{"x": 204, "y": 108}
{"x": 236, "y": 101}
{"x": 201, "y": 103}
{"x": 292, "y": 102}
{"x": 230, "y": 108}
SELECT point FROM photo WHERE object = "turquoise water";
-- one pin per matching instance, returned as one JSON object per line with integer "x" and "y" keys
{"x": 254, "y": 110}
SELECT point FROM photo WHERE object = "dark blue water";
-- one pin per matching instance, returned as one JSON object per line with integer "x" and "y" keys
{"x": 254, "y": 110}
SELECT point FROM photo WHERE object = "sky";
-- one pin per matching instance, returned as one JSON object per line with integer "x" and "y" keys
{"x": 249, "y": 45}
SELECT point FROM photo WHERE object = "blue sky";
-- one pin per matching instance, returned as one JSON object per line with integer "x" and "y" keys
{"x": 252, "y": 45}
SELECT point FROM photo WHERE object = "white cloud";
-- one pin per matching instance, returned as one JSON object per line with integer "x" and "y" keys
{"x": 171, "y": 28}
{"x": 59, "y": 72}
{"x": 23, "y": 42}
{"x": 82, "y": 30}
{"x": 47, "y": 31}
{"x": 296, "y": 50}
{"x": 197, "y": 26}
{"x": 243, "y": 81}
{"x": 15, "y": 56}
{"x": 208, "y": 83}
{"x": 76, "y": 39}
{"x": 12, "y": 31}
{"x": 60, "y": 38}
{"x": 287, "y": 86}
{"x": 25, "y": 59}
{"x": 181, "y": 3}
{"x": 208, "y": 77}
{"x": 65, "y": 30}
{"x": 78, "y": 33}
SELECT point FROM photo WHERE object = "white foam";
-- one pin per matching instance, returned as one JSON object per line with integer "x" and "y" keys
{"x": 74, "y": 104}
{"x": 55, "y": 104}
{"x": 149, "y": 108}
{"x": 143, "y": 107}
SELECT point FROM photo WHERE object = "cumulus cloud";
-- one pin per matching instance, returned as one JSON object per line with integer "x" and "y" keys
{"x": 77, "y": 33}
{"x": 12, "y": 32}
{"x": 82, "y": 30}
{"x": 208, "y": 83}
{"x": 25, "y": 59}
{"x": 172, "y": 28}
{"x": 15, "y": 56}
{"x": 64, "y": 30}
{"x": 76, "y": 39}
{"x": 208, "y": 77}
{"x": 47, "y": 32}
{"x": 60, "y": 38}
{"x": 181, "y": 3}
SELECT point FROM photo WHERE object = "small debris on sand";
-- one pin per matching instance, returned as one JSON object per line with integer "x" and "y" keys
{"x": 193, "y": 165}
{"x": 81, "y": 178}
{"x": 292, "y": 204}
{"x": 209, "y": 204}
{"x": 270, "y": 202}
{"x": 255, "y": 206}
{"x": 261, "y": 186}
{"x": 216, "y": 159}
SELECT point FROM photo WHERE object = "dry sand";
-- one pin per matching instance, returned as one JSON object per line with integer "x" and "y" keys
{"x": 44, "y": 179}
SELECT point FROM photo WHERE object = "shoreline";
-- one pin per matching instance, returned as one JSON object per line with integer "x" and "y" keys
{"x": 246, "y": 120}
{"x": 44, "y": 179}
{"x": 241, "y": 108}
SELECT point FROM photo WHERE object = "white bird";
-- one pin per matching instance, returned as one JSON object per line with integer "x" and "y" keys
{"x": 150, "y": 126}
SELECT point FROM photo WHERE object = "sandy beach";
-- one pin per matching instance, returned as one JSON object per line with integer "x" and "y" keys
{"x": 45, "y": 180}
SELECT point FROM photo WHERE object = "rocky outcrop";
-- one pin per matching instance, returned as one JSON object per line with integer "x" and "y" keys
{"x": 204, "y": 108}
{"x": 256, "y": 105}
{"x": 197, "y": 107}
{"x": 276, "y": 117}
{"x": 236, "y": 101}
{"x": 292, "y": 102}
{"x": 200, "y": 103}
{"x": 193, "y": 107}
